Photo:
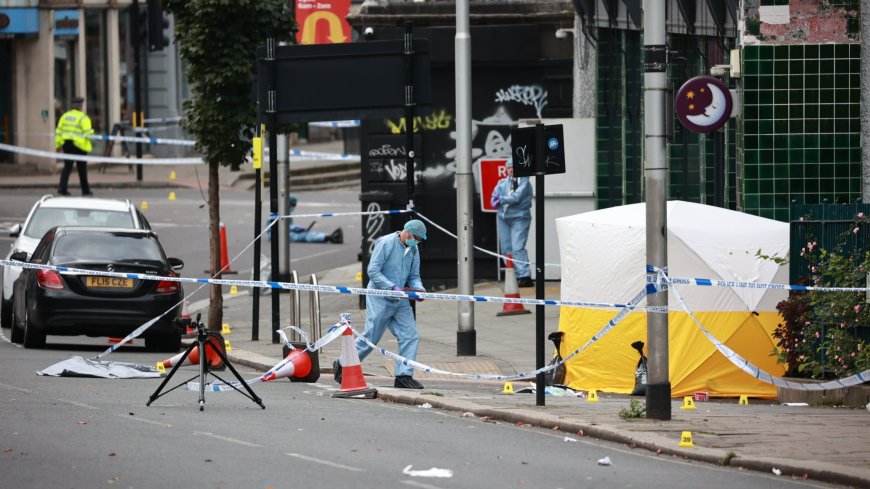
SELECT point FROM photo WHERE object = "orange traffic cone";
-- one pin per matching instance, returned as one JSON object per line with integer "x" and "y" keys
{"x": 352, "y": 382}
{"x": 114, "y": 340}
{"x": 296, "y": 364}
{"x": 511, "y": 291}
{"x": 225, "y": 261}
{"x": 214, "y": 360}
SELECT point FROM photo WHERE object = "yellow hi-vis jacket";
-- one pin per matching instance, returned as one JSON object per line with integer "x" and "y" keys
{"x": 74, "y": 125}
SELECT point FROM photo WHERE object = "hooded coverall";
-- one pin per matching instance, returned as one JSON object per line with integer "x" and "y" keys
{"x": 392, "y": 264}
{"x": 513, "y": 202}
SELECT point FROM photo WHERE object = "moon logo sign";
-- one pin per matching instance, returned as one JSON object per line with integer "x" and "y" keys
{"x": 703, "y": 104}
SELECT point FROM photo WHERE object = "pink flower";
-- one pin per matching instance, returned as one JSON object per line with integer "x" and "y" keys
{"x": 811, "y": 245}
{"x": 860, "y": 214}
{"x": 818, "y": 335}
{"x": 801, "y": 219}
{"x": 813, "y": 269}
{"x": 852, "y": 354}
{"x": 855, "y": 231}
{"x": 857, "y": 308}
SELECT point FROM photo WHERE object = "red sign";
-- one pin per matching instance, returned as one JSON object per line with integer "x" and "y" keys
{"x": 322, "y": 21}
{"x": 491, "y": 171}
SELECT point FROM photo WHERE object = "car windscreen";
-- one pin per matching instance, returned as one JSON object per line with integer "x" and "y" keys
{"x": 106, "y": 248}
{"x": 46, "y": 218}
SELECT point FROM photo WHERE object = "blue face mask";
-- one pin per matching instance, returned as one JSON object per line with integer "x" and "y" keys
{"x": 411, "y": 242}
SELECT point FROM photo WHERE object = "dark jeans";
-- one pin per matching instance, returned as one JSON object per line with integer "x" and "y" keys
{"x": 81, "y": 166}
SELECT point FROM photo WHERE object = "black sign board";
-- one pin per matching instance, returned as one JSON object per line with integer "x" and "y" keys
{"x": 523, "y": 150}
{"x": 359, "y": 80}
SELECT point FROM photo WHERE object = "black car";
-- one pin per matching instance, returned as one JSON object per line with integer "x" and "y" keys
{"x": 48, "y": 302}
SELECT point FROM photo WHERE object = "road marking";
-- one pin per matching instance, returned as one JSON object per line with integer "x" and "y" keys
{"x": 18, "y": 389}
{"x": 224, "y": 438}
{"x": 420, "y": 484}
{"x": 76, "y": 403}
{"x": 143, "y": 420}
{"x": 325, "y": 462}
{"x": 6, "y": 338}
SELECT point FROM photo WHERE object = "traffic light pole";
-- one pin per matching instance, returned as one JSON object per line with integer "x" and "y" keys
{"x": 658, "y": 389}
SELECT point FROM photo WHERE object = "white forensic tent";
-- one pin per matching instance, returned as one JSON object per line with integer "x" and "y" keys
{"x": 603, "y": 256}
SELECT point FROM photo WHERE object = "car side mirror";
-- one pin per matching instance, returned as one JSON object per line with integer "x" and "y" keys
{"x": 15, "y": 231}
{"x": 175, "y": 263}
{"x": 19, "y": 256}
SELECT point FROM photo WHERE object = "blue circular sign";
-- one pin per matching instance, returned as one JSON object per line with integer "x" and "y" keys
{"x": 553, "y": 144}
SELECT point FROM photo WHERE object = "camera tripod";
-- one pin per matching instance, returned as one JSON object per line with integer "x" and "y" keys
{"x": 202, "y": 342}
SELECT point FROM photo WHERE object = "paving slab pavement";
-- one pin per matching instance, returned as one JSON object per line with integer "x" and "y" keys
{"x": 818, "y": 443}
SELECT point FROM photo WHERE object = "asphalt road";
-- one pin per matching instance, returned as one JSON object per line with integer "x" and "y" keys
{"x": 86, "y": 433}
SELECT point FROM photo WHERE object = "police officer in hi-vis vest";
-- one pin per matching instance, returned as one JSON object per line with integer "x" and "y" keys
{"x": 71, "y": 134}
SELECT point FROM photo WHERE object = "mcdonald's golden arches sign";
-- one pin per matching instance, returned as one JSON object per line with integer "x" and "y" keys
{"x": 322, "y": 21}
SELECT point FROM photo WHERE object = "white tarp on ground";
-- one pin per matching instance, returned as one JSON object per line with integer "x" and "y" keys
{"x": 83, "y": 367}
{"x": 604, "y": 259}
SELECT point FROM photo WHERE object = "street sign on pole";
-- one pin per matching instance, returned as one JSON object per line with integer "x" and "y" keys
{"x": 527, "y": 143}
{"x": 523, "y": 146}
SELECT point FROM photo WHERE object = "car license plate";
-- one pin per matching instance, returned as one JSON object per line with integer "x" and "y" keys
{"x": 109, "y": 282}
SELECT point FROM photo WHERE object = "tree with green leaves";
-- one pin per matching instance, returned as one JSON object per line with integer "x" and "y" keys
{"x": 217, "y": 40}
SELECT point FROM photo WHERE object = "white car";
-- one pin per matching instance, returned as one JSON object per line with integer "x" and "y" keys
{"x": 53, "y": 211}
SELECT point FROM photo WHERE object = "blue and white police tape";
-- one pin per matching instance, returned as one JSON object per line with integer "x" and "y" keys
{"x": 272, "y": 216}
{"x": 332, "y": 333}
{"x": 736, "y": 284}
{"x": 99, "y": 159}
{"x": 318, "y": 155}
{"x": 331, "y": 289}
{"x": 478, "y": 248}
{"x": 753, "y": 370}
{"x": 335, "y": 124}
{"x": 632, "y": 305}
{"x": 134, "y": 139}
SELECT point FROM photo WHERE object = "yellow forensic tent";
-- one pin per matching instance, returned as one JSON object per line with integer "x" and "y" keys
{"x": 603, "y": 255}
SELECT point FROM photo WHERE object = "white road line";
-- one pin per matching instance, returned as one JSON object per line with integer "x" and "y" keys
{"x": 224, "y": 438}
{"x": 325, "y": 462}
{"x": 420, "y": 484}
{"x": 143, "y": 420}
{"x": 78, "y": 404}
{"x": 17, "y": 389}
{"x": 6, "y": 338}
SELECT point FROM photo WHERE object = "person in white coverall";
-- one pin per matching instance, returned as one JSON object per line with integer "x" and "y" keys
{"x": 513, "y": 199}
{"x": 394, "y": 265}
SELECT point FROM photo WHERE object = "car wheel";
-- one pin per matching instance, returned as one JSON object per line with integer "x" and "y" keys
{"x": 17, "y": 333}
{"x": 5, "y": 314}
{"x": 32, "y": 338}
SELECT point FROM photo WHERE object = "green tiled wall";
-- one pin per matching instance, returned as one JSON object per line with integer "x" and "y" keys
{"x": 620, "y": 131}
{"x": 800, "y": 130}
{"x": 620, "y": 118}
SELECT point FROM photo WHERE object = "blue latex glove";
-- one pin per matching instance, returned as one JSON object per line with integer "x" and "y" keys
{"x": 297, "y": 229}
{"x": 396, "y": 287}
{"x": 497, "y": 200}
